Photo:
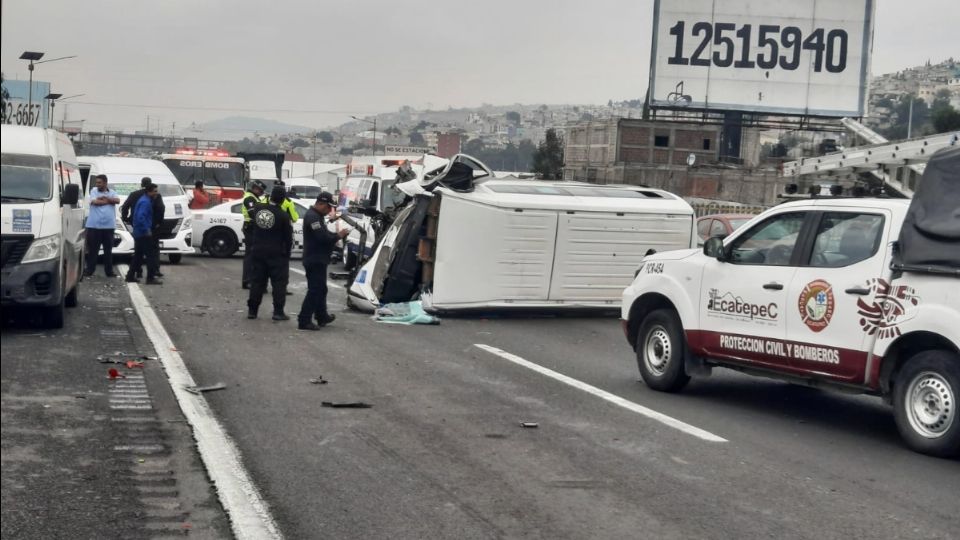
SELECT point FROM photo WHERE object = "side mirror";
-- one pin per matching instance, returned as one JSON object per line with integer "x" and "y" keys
{"x": 713, "y": 247}
{"x": 70, "y": 195}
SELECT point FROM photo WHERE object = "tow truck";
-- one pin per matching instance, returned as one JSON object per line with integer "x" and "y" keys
{"x": 856, "y": 294}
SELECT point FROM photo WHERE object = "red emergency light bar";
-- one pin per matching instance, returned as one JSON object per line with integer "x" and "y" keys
{"x": 392, "y": 162}
{"x": 211, "y": 153}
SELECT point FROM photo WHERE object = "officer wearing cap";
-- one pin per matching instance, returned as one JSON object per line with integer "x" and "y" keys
{"x": 251, "y": 198}
{"x": 318, "y": 244}
{"x": 272, "y": 236}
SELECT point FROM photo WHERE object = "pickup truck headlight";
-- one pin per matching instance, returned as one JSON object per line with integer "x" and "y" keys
{"x": 187, "y": 223}
{"x": 120, "y": 225}
{"x": 43, "y": 249}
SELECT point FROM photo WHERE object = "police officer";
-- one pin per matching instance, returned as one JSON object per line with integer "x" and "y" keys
{"x": 272, "y": 236}
{"x": 287, "y": 205}
{"x": 318, "y": 243}
{"x": 251, "y": 198}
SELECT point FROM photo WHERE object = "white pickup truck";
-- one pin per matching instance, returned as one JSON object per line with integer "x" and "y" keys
{"x": 857, "y": 294}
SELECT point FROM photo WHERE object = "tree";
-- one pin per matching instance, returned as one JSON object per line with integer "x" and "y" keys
{"x": 325, "y": 137}
{"x": 299, "y": 142}
{"x": 513, "y": 117}
{"x": 416, "y": 138}
{"x": 945, "y": 119}
{"x": 4, "y": 96}
{"x": 392, "y": 130}
{"x": 548, "y": 160}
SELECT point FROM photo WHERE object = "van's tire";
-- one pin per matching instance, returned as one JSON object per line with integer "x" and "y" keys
{"x": 53, "y": 315}
{"x": 925, "y": 403}
{"x": 349, "y": 259}
{"x": 73, "y": 297}
{"x": 661, "y": 348}
{"x": 221, "y": 243}
{"x": 175, "y": 258}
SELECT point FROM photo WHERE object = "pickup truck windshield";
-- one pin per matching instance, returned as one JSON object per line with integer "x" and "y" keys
{"x": 26, "y": 178}
{"x": 166, "y": 190}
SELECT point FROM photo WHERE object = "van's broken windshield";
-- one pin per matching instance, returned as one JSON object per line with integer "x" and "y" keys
{"x": 26, "y": 177}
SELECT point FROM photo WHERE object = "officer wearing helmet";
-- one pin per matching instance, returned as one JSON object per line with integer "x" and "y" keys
{"x": 251, "y": 198}
{"x": 272, "y": 236}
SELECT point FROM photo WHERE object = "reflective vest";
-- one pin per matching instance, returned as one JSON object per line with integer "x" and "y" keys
{"x": 288, "y": 207}
{"x": 248, "y": 201}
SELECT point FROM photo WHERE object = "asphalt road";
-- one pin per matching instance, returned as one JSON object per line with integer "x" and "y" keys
{"x": 88, "y": 457}
{"x": 441, "y": 453}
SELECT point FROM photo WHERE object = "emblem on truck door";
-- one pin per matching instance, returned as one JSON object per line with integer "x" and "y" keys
{"x": 888, "y": 308}
{"x": 816, "y": 305}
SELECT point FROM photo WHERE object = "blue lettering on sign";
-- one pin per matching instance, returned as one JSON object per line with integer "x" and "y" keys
{"x": 22, "y": 221}
{"x": 178, "y": 209}
{"x": 362, "y": 277}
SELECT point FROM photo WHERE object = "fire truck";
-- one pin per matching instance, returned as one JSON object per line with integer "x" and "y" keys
{"x": 223, "y": 175}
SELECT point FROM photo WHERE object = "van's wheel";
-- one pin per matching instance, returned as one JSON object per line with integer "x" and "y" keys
{"x": 175, "y": 258}
{"x": 221, "y": 243}
{"x": 660, "y": 349}
{"x": 925, "y": 403}
{"x": 53, "y": 315}
{"x": 73, "y": 298}
{"x": 349, "y": 259}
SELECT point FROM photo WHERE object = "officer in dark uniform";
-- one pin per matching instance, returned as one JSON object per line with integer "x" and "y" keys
{"x": 251, "y": 198}
{"x": 318, "y": 244}
{"x": 272, "y": 236}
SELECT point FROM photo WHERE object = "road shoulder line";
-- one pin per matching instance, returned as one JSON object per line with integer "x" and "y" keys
{"x": 603, "y": 394}
{"x": 249, "y": 514}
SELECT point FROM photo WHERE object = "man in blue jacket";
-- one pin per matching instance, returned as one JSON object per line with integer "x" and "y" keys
{"x": 144, "y": 245}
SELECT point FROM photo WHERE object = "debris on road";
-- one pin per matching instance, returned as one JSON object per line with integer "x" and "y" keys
{"x": 346, "y": 404}
{"x": 113, "y": 374}
{"x": 319, "y": 380}
{"x": 201, "y": 389}
{"x": 529, "y": 425}
{"x": 405, "y": 313}
{"x": 134, "y": 364}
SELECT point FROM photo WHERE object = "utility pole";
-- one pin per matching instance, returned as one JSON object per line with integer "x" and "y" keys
{"x": 910, "y": 118}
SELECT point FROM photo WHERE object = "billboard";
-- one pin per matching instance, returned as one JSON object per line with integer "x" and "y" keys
{"x": 20, "y": 110}
{"x": 794, "y": 57}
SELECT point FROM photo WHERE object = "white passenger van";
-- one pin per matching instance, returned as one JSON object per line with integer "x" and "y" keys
{"x": 42, "y": 215}
{"x": 469, "y": 243}
{"x": 369, "y": 185}
{"x": 305, "y": 189}
{"x": 123, "y": 176}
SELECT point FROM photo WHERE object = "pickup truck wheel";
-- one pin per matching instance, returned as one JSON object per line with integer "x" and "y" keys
{"x": 221, "y": 243}
{"x": 925, "y": 403}
{"x": 660, "y": 351}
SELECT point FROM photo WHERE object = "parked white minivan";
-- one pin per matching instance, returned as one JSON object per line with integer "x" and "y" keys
{"x": 123, "y": 176}
{"x": 42, "y": 231}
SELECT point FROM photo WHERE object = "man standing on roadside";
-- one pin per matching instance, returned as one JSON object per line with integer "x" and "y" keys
{"x": 126, "y": 214}
{"x": 144, "y": 244}
{"x": 100, "y": 226}
{"x": 201, "y": 198}
{"x": 272, "y": 236}
{"x": 318, "y": 244}
{"x": 251, "y": 198}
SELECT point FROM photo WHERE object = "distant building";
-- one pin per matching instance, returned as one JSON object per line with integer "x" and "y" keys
{"x": 656, "y": 154}
{"x": 448, "y": 144}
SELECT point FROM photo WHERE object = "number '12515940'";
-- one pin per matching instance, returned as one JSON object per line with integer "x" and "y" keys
{"x": 734, "y": 46}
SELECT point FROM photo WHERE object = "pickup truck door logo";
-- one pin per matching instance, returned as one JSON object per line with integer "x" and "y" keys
{"x": 887, "y": 309}
{"x": 816, "y": 305}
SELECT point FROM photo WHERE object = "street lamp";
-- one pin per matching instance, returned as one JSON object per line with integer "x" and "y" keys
{"x": 54, "y": 97}
{"x": 374, "y": 122}
{"x": 33, "y": 57}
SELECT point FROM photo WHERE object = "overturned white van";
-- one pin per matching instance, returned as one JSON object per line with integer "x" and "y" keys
{"x": 466, "y": 241}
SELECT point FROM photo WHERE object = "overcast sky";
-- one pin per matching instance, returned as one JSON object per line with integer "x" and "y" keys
{"x": 332, "y": 59}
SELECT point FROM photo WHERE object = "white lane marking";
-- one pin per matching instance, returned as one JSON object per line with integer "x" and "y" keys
{"x": 612, "y": 398}
{"x": 329, "y": 283}
{"x": 249, "y": 515}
